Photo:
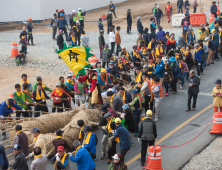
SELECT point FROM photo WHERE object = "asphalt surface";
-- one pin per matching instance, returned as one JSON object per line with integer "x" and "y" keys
{"x": 172, "y": 115}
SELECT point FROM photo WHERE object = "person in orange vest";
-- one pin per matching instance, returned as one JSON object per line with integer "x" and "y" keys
{"x": 168, "y": 10}
{"x": 146, "y": 89}
{"x": 157, "y": 89}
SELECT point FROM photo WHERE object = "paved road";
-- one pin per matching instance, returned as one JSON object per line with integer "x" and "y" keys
{"x": 173, "y": 115}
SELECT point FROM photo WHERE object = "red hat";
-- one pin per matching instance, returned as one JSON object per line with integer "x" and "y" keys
{"x": 151, "y": 60}
{"x": 60, "y": 148}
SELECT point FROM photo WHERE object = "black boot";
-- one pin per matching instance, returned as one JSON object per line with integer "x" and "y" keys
{"x": 92, "y": 106}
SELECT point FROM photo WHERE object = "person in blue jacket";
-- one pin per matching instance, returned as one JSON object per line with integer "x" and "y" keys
{"x": 100, "y": 25}
{"x": 158, "y": 14}
{"x": 112, "y": 67}
{"x": 6, "y": 109}
{"x": 82, "y": 157}
{"x": 198, "y": 58}
{"x": 216, "y": 40}
{"x": 90, "y": 141}
{"x": 161, "y": 34}
{"x": 121, "y": 135}
{"x": 61, "y": 24}
{"x": 139, "y": 25}
{"x": 160, "y": 69}
{"x": 176, "y": 74}
{"x": 3, "y": 159}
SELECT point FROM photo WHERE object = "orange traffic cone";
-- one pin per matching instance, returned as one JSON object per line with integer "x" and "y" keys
{"x": 217, "y": 123}
{"x": 154, "y": 159}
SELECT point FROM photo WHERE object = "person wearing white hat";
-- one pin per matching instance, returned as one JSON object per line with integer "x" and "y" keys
{"x": 73, "y": 18}
{"x": 81, "y": 18}
{"x": 158, "y": 14}
{"x": 118, "y": 162}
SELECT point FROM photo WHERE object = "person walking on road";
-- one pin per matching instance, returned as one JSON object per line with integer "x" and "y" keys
{"x": 154, "y": 12}
{"x": 109, "y": 19}
{"x": 213, "y": 9}
{"x": 168, "y": 10}
{"x": 195, "y": 6}
{"x": 158, "y": 15}
{"x": 112, "y": 8}
{"x": 212, "y": 51}
{"x": 54, "y": 26}
{"x": 180, "y": 6}
{"x": 62, "y": 23}
{"x": 147, "y": 134}
{"x": 129, "y": 21}
{"x": 217, "y": 94}
{"x": 193, "y": 90}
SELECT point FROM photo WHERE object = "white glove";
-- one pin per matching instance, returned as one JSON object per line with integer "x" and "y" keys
{"x": 27, "y": 102}
{"x": 57, "y": 158}
{"x": 199, "y": 64}
{"x": 166, "y": 73}
{"x": 51, "y": 98}
{"x": 89, "y": 91}
{"x": 105, "y": 84}
{"x": 43, "y": 100}
{"x": 31, "y": 155}
{"x": 139, "y": 140}
{"x": 57, "y": 98}
{"x": 23, "y": 110}
{"x": 156, "y": 140}
{"x": 14, "y": 111}
{"x": 69, "y": 153}
{"x": 57, "y": 155}
{"x": 141, "y": 62}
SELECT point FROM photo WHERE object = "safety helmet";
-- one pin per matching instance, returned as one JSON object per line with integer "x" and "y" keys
{"x": 80, "y": 8}
{"x": 29, "y": 19}
{"x": 149, "y": 113}
{"x": 73, "y": 11}
{"x": 118, "y": 120}
{"x": 103, "y": 70}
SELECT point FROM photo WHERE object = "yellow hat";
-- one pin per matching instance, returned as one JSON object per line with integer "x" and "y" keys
{"x": 213, "y": 30}
{"x": 149, "y": 113}
{"x": 118, "y": 120}
{"x": 103, "y": 70}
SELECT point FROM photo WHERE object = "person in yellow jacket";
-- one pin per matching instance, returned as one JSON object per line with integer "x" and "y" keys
{"x": 217, "y": 94}
{"x": 39, "y": 141}
{"x": 81, "y": 18}
{"x": 202, "y": 32}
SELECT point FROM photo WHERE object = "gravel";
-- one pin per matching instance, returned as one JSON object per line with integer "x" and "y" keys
{"x": 209, "y": 159}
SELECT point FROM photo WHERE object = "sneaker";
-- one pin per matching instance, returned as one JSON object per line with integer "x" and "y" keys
{"x": 109, "y": 161}
{"x": 166, "y": 94}
{"x": 156, "y": 118}
{"x": 193, "y": 109}
{"x": 181, "y": 87}
{"x": 187, "y": 110}
{"x": 3, "y": 137}
{"x": 174, "y": 92}
{"x": 103, "y": 157}
{"x": 132, "y": 143}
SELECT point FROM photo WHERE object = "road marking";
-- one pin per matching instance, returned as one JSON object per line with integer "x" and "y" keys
{"x": 172, "y": 132}
{"x": 200, "y": 93}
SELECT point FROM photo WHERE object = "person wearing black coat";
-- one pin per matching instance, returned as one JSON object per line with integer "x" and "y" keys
{"x": 146, "y": 36}
{"x": 129, "y": 21}
{"x": 129, "y": 120}
{"x": 139, "y": 25}
{"x": 193, "y": 90}
{"x": 60, "y": 41}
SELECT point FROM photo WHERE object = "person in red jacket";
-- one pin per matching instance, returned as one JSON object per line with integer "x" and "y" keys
{"x": 57, "y": 94}
{"x": 94, "y": 90}
{"x": 168, "y": 9}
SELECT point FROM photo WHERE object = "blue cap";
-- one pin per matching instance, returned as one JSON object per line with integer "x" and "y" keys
{"x": 134, "y": 91}
{"x": 29, "y": 84}
{"x": 125, "y": 106}
{"x": 17, "y": 147}
{"x": 35, "y": 130}
{"x": 172, "y": 59}
{"x": 61, "y": 14}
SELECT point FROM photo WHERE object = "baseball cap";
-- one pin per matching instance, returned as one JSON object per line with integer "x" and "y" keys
{"x": 35, "y": 130}
{"x": 59, "y": 132}
{"x": 118, "y": 120}
{"x": 108, "y": 115}
{"x": 87, "y": 128}
{"x": 17, "y": 147}
{"x": 125, "y": 106}
{"x": 58, "y": 85}
{"x": 60, "y": 148}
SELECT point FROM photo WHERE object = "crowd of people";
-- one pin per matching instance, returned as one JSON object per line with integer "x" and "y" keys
{"x": 154, "y": 67}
